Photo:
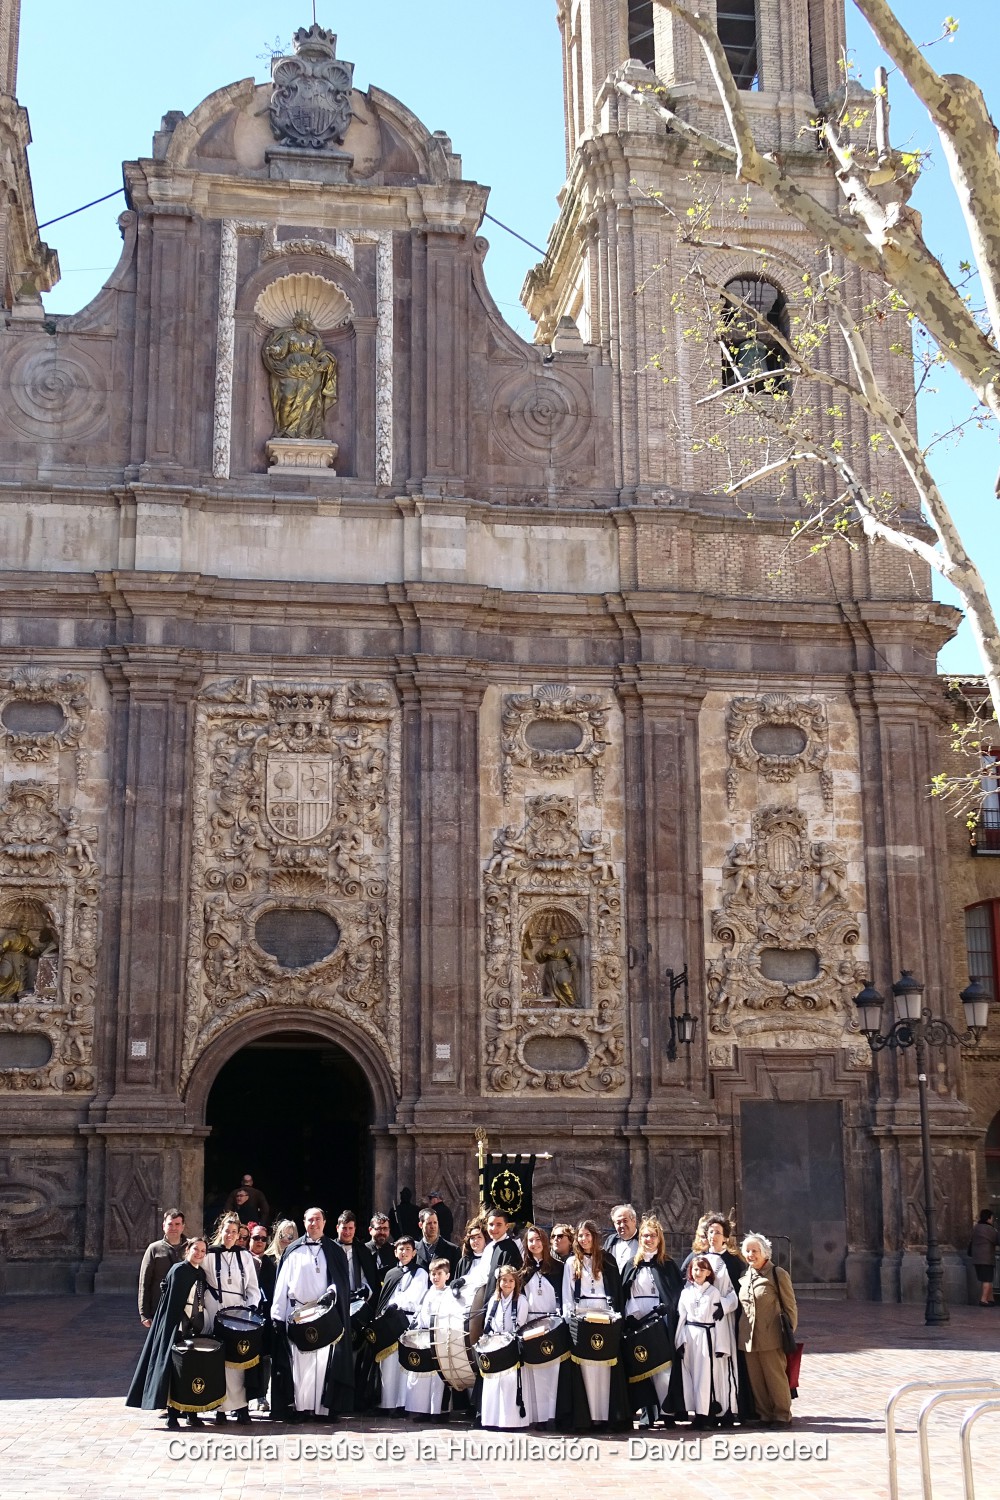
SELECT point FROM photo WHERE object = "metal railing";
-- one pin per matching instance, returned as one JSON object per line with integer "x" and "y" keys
{"x": 944, "y": 1390}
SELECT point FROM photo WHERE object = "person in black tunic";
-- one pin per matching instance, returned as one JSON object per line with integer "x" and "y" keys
{"x": 180, "y": 1313}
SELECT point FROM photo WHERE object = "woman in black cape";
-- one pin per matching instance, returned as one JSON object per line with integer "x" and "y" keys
{"x": 180, "y": 1314}
{"x": 653, "y": 1280}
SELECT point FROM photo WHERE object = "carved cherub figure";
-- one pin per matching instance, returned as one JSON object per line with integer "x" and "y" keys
{"x": 738, "y": 871}
{"x": 508, "y": 851}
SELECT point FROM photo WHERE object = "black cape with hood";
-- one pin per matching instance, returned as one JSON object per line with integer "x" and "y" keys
{"x": 151, "y": 1382}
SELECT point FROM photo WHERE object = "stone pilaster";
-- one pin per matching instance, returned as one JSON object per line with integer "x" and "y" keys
{"x": 440, "y": 877}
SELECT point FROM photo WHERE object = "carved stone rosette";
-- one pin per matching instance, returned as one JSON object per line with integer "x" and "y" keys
{"x": 49, "y": 921}
{"x": 553, "y": 731}
{"x": 748, "y": 721}
{"x": 787, "y": 937}
{"x": 296, "y": 832}
{"x": 59, "y": 702}
{"x": 554, "y": 990}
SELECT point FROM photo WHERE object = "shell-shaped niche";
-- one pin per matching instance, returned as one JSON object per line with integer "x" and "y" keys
{"x": 322, "y": 300}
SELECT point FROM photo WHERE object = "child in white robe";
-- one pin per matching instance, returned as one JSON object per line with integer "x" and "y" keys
{"x": 407, "y": 1295}
{"x": 708, "y": 1365}
{"x": 425, "y": 1393}
{"x": 503, "y": 1397}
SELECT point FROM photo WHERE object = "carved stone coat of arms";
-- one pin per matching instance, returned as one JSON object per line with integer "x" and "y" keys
{"x": 311, "y": 99}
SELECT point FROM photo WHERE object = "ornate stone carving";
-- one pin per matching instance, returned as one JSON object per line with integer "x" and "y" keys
{"x": 26, "y": 735}
{"x": 788, "y": 935}
{"x": 41, "y": 1194}
{"x": 311, "y": 98}
{"x": 49, "y": 909}
{"x": 567, "y": 716}
{"x": 752, "y": 748}
{"x": 297, "y": 812}
{"x": 554, "y": 990}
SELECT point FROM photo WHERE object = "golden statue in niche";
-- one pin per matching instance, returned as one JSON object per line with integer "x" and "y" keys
{"x": 302, "y": 376}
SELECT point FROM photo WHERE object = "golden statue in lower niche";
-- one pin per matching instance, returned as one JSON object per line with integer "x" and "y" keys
{"x": 303, "y": 378}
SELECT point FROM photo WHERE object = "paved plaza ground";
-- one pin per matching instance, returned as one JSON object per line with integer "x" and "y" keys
{"x": 65, "y": 1432}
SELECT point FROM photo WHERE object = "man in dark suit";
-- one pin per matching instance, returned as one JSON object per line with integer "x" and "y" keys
{"x": 431, "y": 1244}
{"x": 380, "y": 1246}
{"x": 446, "y": 1219}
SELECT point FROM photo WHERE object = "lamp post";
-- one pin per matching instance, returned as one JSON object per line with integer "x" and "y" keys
{"x": 682, "y": 1027}
{"x": 917, "y": 1027}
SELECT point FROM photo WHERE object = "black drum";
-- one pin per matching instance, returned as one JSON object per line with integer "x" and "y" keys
{"x": 241, "y": 1332}
{"x": 416, "y": 1351}
{"x": 383, "y": 1332}
{"x": 545, "y": 1341}
{"x": 597, "y": 1337}
{"x": 497, "y": 1353}
{"x": 197, "y": 1375}
{"x": 315, "y": 1326}
{"x": 648, "y": 1349}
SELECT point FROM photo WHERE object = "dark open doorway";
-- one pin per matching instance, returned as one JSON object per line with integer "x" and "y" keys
{"x": 296, "y": 1112}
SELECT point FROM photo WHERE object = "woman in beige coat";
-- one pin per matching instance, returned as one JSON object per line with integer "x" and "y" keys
{"x": 759, "y": 1330}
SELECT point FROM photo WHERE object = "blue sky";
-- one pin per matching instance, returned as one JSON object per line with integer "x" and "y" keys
{"x": 97, "y": 79}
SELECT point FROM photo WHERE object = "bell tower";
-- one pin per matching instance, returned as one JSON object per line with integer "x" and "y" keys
{"x": 27, "y": 266}
{"x": 613, "y": 259}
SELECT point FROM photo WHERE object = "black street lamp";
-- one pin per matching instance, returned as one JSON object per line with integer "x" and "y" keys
{"x": 917, "y": 1027}
{"x": 682, "y": 1027}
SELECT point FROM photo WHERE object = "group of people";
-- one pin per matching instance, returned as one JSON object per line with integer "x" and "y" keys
{"x": 316, "y": 1326}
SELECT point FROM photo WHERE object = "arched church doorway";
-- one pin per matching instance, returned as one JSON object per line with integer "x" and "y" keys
{"x": 992, "y": 1198}
{"x": 296, "y": 1112}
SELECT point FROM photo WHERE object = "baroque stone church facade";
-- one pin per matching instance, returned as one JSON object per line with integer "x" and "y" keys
{"x": 389, "y": 699}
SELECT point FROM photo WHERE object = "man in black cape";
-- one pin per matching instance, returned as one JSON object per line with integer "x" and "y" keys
{"x": 338, "y": 1389}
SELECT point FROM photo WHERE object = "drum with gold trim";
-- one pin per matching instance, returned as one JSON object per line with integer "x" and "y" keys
{"x": 416, "y": 1351}
{"x": 597, "y": 1337}
{"x": 197, "y": 1375}
{"x": 314, "y": 1326}
{"x": 241, "y": 1333}
{"x": 545, "y": 1341}
{"x": 648, "y": 1349}
{"x": 497, "y": 1353}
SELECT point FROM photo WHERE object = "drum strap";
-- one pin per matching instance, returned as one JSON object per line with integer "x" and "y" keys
{"x": 191, "y": 1327}
{"x": 217, "y": 1251}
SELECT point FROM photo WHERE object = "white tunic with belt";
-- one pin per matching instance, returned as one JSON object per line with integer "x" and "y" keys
{"x": 501, "y": 1408}
{"x": 302, "y": 1277}
{"x": 644, "y": 1297}
{"x": 425, "y": 1393}
{"x": 596, "y": 1378}
{"x": 407, "y": 1294}
{"x": 541, "y": 1382}
{"x": 232, "y": 1282}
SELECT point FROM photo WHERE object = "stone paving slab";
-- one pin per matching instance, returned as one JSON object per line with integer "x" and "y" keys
{"x": 65, "y": 1433}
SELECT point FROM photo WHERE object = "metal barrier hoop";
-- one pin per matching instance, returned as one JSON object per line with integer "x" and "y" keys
{"x": 890, "y": 1416}
{"x": 965, "y": 1436}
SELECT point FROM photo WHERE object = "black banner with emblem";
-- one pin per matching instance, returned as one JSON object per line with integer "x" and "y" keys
{"x": 505, "y": 1183}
